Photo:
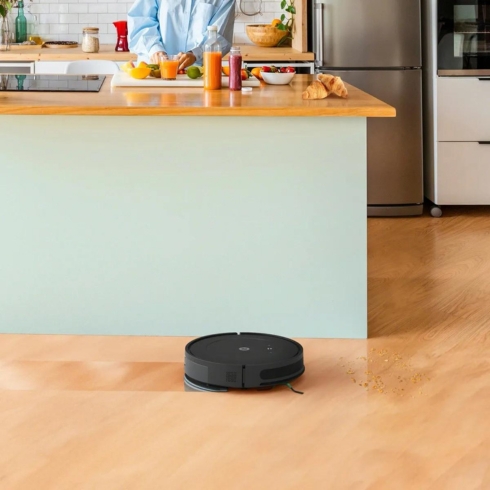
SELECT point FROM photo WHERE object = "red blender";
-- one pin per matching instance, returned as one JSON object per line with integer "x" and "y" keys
{"x": 122, "y": 35}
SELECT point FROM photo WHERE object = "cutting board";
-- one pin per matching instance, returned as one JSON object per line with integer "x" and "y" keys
{"x": 122, "y": 79}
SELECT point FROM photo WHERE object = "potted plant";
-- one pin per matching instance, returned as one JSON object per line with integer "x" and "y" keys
{"x": 287, "y": 21}
{"x": 5, "y": 7}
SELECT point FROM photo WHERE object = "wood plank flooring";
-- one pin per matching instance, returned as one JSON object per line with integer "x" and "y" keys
{"x": 406, "y": 409}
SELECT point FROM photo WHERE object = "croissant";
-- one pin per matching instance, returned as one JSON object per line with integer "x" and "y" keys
{"x": 339, "y": 88}
{"x": 316, "y": 90}
{"x": 327, "y": 80}
{"x": 334, "y": 85}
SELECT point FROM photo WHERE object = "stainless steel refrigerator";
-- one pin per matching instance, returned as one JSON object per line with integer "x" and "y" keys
{"x": 376, "y": 46}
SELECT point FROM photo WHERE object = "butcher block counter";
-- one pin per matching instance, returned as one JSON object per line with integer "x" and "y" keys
{"x": 106, "y": 52}
{"x": 171, "y": 223}
{"x": 267, "y": 100}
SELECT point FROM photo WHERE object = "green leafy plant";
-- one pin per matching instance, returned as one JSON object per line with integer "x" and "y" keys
{"x": 287, "y": 20}
{"x": 5, "y": 7}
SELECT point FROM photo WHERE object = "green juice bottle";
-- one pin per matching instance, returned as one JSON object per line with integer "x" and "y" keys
{"x": 20, "y": 24}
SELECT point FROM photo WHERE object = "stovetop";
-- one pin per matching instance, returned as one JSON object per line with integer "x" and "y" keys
{"x": 51, "y": 83}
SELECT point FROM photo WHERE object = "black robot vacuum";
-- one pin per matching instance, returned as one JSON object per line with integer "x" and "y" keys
{"x": 242, "y": 360}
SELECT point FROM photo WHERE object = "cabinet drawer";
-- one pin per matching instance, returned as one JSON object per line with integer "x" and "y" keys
{"x": 463, "y": 173}
{"x": 463, "y": 109}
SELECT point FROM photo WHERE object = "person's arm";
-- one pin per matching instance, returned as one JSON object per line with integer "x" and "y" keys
{"x": 143, "y": 28}
{"x": 224, "y": 18}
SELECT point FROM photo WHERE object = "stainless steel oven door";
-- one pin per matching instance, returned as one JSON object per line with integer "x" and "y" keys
{"x": 463, "y": 36}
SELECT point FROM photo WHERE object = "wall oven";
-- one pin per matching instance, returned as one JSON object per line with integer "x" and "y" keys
{"x": 463, "y": 38}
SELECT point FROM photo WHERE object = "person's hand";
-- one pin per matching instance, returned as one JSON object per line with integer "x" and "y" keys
{"x": 186, "y": 59}
{"x": 155, "y": 57}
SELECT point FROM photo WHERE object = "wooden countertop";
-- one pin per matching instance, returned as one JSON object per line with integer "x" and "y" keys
{"x": 106, "y": 52}
{"x": 267, "y": 100}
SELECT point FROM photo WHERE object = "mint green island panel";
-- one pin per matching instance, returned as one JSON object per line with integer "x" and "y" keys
{"x": 183, "y": 225}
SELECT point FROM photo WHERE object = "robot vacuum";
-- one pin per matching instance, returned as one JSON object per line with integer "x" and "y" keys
{"x": 242, "y": 360}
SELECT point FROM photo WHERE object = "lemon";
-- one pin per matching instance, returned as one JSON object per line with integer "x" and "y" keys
{"x": 193, "y": 72}
{"x": 139, "y": 72}
{"x": 129, "y": 65}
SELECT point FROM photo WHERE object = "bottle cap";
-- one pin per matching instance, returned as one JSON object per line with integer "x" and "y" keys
{"x": 212, "y": 28}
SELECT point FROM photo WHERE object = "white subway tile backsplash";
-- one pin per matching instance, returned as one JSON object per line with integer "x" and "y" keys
{"x": 75, "y": 28}
{"x": 68, "y": 18}
{"x": 39, "y": 8}
{"x": 58, "y": 29}
{"x": 97, "y": 8}
{"x": 107, "y": 18}
{"x": 77, "y": 8}
{"x": 117, "y": 8}
{"x": 87, "y": 19}
{"x": 65, "y": 19}
{"x": 49, "y": 18}
{"x": 58, "y": 8}
{"x": 108, "y": 39}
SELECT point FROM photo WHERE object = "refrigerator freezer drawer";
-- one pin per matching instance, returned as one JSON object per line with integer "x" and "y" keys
{"x": 368, "y": 33}
{"x": 463, "y": 173}
{"x": 461, "y": 111}
{"x": 395, "y": 161}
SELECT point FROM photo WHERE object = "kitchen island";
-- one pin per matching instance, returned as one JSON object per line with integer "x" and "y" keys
{"x": 206, "y": 212}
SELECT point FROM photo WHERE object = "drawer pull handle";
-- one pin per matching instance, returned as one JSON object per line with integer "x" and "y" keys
{"x": 484, "y": 142}
{"x": 484, "y": 79}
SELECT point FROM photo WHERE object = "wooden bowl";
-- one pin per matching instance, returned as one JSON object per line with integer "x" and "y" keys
{"x": 265, "y": 35}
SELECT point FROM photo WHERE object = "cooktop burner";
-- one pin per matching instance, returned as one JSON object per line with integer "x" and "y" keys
{"x": 51, "y": 83}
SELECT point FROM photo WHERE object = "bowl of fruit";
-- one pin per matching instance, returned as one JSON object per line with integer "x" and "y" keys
{"x": 277, "y": 76}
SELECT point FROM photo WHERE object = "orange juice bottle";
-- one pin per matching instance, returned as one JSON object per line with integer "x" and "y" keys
{"x": 213, "y": 47}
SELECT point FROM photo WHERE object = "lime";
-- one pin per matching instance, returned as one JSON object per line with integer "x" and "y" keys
{"x": 193, "y": 72}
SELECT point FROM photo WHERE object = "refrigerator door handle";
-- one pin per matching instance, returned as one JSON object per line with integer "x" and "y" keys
{"x": 319, "y": 34}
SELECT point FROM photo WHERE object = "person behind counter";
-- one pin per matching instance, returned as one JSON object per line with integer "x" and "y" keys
{"x": 177, "y": 27}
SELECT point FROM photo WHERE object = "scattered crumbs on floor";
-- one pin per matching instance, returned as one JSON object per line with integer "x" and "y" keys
{"x": 384, "y": 366}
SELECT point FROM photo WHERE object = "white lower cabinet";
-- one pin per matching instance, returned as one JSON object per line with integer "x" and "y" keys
{"x": 50, "y": 67}
{"x": 459, "y": 170}
{"x": 463, "y": 173}
{"x": 462, "y": 108}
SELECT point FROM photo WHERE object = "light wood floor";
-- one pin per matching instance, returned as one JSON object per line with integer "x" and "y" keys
{"x": 407, "y": 409}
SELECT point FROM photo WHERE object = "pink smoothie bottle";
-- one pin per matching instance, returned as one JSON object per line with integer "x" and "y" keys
{"x": 235, "y": 61}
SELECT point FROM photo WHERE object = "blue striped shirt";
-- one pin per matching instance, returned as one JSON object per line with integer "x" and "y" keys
{"x": 175, "y": 26}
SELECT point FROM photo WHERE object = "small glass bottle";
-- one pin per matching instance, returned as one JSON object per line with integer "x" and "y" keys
{"x": 90, "y": 40}
{"x": 235, "y": 61}
{"x": 212, "y": 57}
{"x": 20, "y": 24}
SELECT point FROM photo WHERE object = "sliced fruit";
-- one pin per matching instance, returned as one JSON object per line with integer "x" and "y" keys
{"x": 245, "y": 74}
{"x": 129, "y": 65}
{"x": 142, "y": 64}
{"x": 257, "y": 72}
{"x": 267, "y": 69}
{"x": 226, "y": 70}
{"x": 194, "y": 72}
{"x": 275, "y": 22}
{"x": 156, "y": 73}
{"x": 140, "y": 72}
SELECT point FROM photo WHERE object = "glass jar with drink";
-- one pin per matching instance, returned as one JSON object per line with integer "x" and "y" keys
{"x": 212, "y": 58}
